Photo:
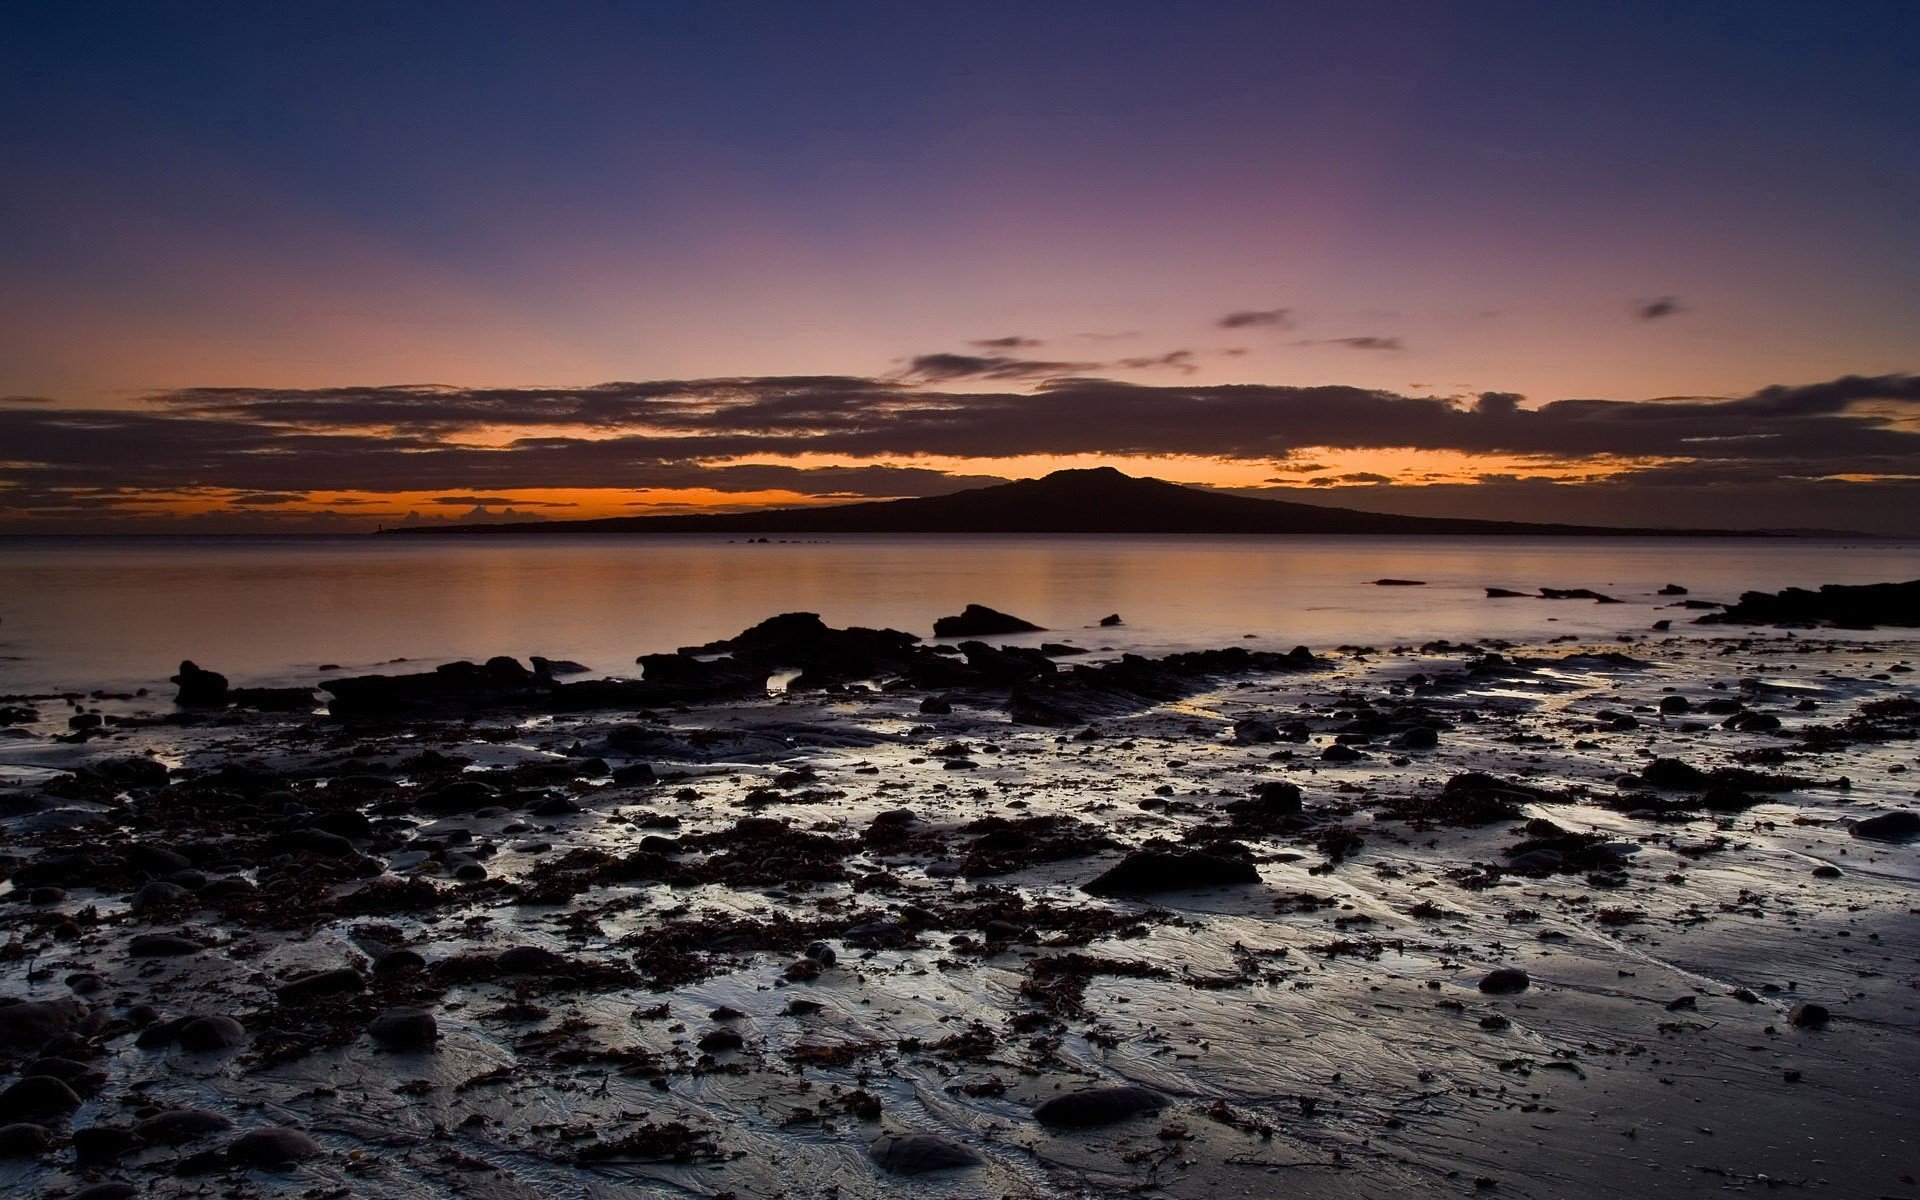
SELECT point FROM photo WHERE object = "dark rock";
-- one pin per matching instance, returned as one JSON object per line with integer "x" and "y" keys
{"x": 1499, "y": 593}
{"x": 528, "y": 960}
{"x": 113, "y": 1189}
{"x": 182, "y": 1125}
{"x": 405, "y": 1029}
{"x": 1504, "y": 981}
{"x": 1399, "y": 583}
{"x": 1809, "y": 1016}
{"x": 36, "y": 1097}
{"x": 720, "y": 1041}
{"x": 1091, "y": 1107}
{"x": 158, "y": 894}
{"x": 339, "y": 981}
{"x": 1110, "y": 620}
{"x": 1167, "y": 870}
{"x": 104, "y": 1143}
{"x": 977, "y": 620}
{"x": 273, "y": 1146}
{"x": 919, "y": 1153}
{"x": 23, "y": 1139}
{"x": 274, "y": 699}
{"x": 200, "y": 688}
{"x": 1672, "y": 705}
{"x": 402, "y": 959}
{"x": 209, "y": 1034}
{"x": 1419, "y": 737}
{"x": 162, "y": 945}
{"x": 27, "y": 1025}
{"x": 1902, "y": 825}
{"x": 1850, "y": 607}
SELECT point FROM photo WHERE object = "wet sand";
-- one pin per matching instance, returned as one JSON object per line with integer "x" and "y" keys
{"x": 733, "y": 946}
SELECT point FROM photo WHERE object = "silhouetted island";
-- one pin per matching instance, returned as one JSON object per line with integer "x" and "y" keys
{"x": 1094, "y": 500}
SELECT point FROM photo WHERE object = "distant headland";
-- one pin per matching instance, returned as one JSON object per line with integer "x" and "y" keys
{"x": 1090, "y": 500}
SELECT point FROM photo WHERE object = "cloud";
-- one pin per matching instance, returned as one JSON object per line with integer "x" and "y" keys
{"x": 1010, "y": 342}
{"x": 1358, "y": 343}
{"x": 1653, "y": 310}
{"x": 1269, "y": 318}
{"x": 1177, "y": 360}
{"x": 731, "y": 434}
{"x": 945, "y": 367}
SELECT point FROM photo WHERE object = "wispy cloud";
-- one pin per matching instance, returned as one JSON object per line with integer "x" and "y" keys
{"x": 1255, "y": 318}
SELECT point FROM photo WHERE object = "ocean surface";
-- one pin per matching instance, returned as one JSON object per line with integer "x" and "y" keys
{"x": 120, "y": 613}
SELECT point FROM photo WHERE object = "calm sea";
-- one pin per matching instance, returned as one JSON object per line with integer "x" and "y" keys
{"x": 122, "y": 612}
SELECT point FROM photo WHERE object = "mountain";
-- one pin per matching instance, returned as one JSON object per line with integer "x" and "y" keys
{"x": 1096, "y": 500}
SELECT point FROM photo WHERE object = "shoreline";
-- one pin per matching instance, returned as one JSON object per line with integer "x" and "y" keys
{"x": 722, "y": 940}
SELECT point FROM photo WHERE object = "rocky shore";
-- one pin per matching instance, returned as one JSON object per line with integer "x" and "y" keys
{"x": 813, "y": 911}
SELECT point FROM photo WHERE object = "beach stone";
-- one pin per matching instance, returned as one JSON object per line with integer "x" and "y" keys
{"x": 1276, "y": 798}
{"x": 402, "y": 959}
{"x": 1254, "y": 731}
{"x": 1420, "y": 737}
{"x": 113, "y": 1189}
{"x": 24, "y": 1139}
{"x": 210, "y": 1034}
{"x": 158, "y": 894}
{"x": 27, "y": 1025}
{"x": 1147, "y": 871}
{"x": 104, "y": 1143}
{"x": 1504, "y": 981}
{"x": 1809, "y": 1016}
{"x": 1672, "y": 705}
{"x": 182, "y": 1125}
{"x": 1900, "y": 826}
{"x": 227, "y": 887}
{"x": 529, "y": 960}
{"x": 919, "y": 1153}
{"x": 35, "y": 1097}
{"x": 405, "y": 1029}
{"x": 719, "y": 1041}
{"x": 1089, "y": 1107}
{"x": 272, "y": 1146}
{"x": 162, "y": 945}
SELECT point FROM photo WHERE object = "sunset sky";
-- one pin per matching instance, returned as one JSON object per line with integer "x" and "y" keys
{"x": 312, "y": 267}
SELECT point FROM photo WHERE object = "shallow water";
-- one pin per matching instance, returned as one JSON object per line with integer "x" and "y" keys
{"x": 121, "y": 612}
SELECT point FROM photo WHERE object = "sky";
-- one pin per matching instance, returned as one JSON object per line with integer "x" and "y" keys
{"x": 326, "y": 266}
